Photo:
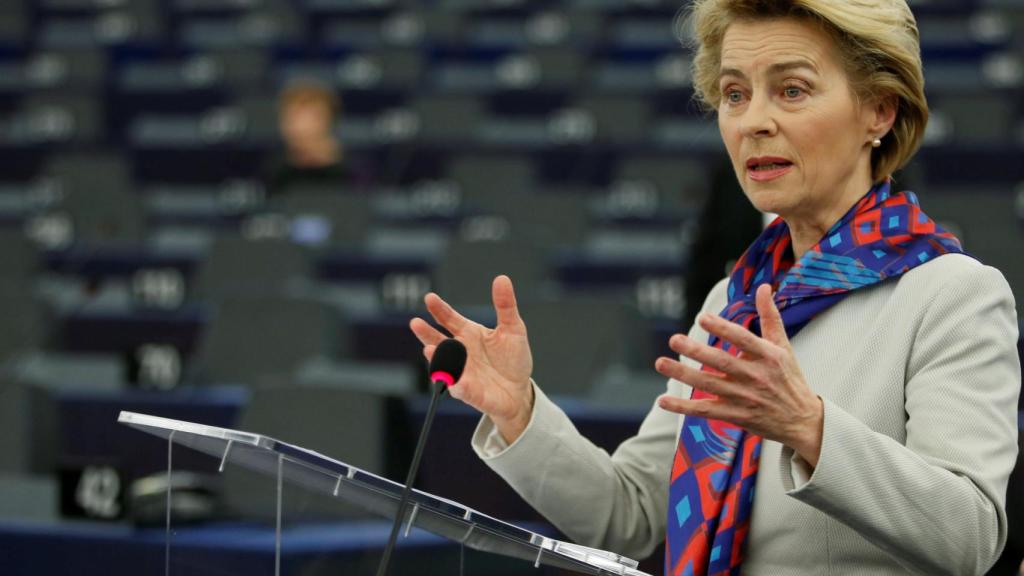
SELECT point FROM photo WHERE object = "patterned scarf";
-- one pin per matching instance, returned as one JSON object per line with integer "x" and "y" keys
{"x": 711, "y": 494}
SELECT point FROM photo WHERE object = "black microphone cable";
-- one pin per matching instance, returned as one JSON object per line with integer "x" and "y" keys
{"x": 445, "y": 370}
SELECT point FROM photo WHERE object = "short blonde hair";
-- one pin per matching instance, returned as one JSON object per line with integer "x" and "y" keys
{"x": 878, "y": 42}
{"x": 307, "y": 93}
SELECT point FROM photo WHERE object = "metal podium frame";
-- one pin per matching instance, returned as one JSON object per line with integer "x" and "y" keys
{"x": 375, "y": 494}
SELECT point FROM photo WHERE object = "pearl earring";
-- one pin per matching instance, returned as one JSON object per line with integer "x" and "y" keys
{"x": 876, "y": 143}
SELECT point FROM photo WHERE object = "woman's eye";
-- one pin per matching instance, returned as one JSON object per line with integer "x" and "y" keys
{"x": 794, "y": 92}
{"x": 734, "y": 96}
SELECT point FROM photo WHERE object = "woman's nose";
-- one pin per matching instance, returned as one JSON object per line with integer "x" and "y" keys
{"x": 757, "y": 120}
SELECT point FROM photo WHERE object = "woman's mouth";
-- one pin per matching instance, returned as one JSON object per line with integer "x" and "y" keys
{"x": 764, "y": 169}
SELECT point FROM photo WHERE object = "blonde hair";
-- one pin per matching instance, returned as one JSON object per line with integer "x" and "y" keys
{"x": 307, "y": 93}
{"x": 878, "y": 42}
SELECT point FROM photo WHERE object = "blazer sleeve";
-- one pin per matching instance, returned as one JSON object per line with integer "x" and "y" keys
{"x": 935, "y": 504}
{"x": 614, "y": 502}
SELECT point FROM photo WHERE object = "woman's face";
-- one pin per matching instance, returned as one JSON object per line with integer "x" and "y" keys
{"x": 797, "y": 137}
{"x": 303, "y": 123}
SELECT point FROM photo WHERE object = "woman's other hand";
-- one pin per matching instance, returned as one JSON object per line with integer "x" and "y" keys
{"x": 762, "y": 390}
{"x": 496, "y": 380}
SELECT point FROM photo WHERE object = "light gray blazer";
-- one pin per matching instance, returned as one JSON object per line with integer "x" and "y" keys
{"x": 920, "y": 379}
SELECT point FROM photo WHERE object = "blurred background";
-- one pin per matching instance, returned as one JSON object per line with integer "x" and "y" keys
{"x": 227, "y": 211}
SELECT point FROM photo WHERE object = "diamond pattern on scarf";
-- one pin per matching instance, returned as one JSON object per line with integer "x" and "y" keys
{"x": 884, "y": 235}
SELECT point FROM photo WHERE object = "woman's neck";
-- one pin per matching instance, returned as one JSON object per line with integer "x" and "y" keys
{"x": 807, "y": 229}
{"x": 805, "y": 235}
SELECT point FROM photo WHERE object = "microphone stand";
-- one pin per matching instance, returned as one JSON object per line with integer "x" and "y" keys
{"x": 438, "y": 388}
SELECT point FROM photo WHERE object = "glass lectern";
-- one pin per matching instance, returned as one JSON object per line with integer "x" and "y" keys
{"x": 378, "y": 495}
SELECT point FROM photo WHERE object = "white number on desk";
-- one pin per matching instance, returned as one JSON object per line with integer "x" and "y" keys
{"x": 436, "y": 197}
{"x": 98, "y": 492}
{"x": 160, "y": 287}
{"x": 52, "y": 231}
{"x": 661, "y": 296}
{"x": 404, "y": 291}
{"x": 159, "y": 366}
{"x": 637, "y": 198}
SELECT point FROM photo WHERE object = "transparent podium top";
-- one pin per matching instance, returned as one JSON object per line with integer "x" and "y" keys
{"x": 379, "y": 495}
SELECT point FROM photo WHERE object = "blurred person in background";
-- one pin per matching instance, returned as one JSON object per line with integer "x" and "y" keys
{"x": 313, "y": 157}
{"x": 728, "y": 224}
{"x": 846, "y": 402}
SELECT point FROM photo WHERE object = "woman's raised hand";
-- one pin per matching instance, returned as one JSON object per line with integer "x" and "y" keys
{"x": 496, "y": 380}
{"x": 762, "y": 390}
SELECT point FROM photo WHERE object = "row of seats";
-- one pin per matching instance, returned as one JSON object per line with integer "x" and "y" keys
{"x": 92, "y": 199}
{"x": 620, "y": 124}
{"x": 648, "y": 207}
{"x": 464, "y": 176}
{"x": 350, "y": 304}
{"x": 552, "y": 69}
{"x": 275, "y": 22}
{"x": 133, "y": 302}
{"x": 96, "y": 198}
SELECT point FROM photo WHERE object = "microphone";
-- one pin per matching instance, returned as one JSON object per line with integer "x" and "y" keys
{"x": 447, "y": 364}
{"x": 445, "y": 370}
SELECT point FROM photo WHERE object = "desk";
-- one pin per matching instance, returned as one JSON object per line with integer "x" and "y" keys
{"x": 87, "y": 549}
{"x": 349, "y": 548}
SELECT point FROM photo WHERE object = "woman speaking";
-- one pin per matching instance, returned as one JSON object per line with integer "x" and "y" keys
{"x": 846, "y": 401}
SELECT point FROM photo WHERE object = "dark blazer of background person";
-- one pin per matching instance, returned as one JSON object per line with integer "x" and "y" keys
{"x": 1009, "y": 563}
{"x": 728, "y": 224}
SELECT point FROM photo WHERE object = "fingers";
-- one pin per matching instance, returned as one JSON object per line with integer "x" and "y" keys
{"x": 711, "y": 409}
{"x": 735, "y": 334}
{"x": 710, "y": 356}
{"x": 699, "y": 379}
{"x": 428, "y": 352}
{"x": 445, "y": 315}
{"x": 504, "y": 298}
{"x": 425, "y": 333}
{"x": 772, "y": 327}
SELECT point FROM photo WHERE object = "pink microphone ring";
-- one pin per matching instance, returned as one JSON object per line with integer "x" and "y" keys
{"x": 441, "y": 376}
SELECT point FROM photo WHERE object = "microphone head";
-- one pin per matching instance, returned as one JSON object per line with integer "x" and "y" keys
{"x": 448, "y": 362}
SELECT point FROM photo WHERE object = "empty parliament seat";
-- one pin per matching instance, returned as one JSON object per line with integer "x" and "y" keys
{"x": 99, "y": 196}
{"x": 448, "y": 119}
{"x": 549, "y": 220}
{"x": 357, "y": 427}
{"x": 238, "y": 266}
{"x": 14, "y": 23}
{"x": 680, "y": 184}
{"x": 465, "y": 274}
{"x": 575, "y": 340}
{"x": 256, "y": 339}
{"x": 488, "y": 182}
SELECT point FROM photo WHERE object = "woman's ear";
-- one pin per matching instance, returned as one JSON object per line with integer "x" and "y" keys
{"x": 882, "y": 116}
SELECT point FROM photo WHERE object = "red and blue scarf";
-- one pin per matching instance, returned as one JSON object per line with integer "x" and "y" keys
{"x": 711, "y": 494}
